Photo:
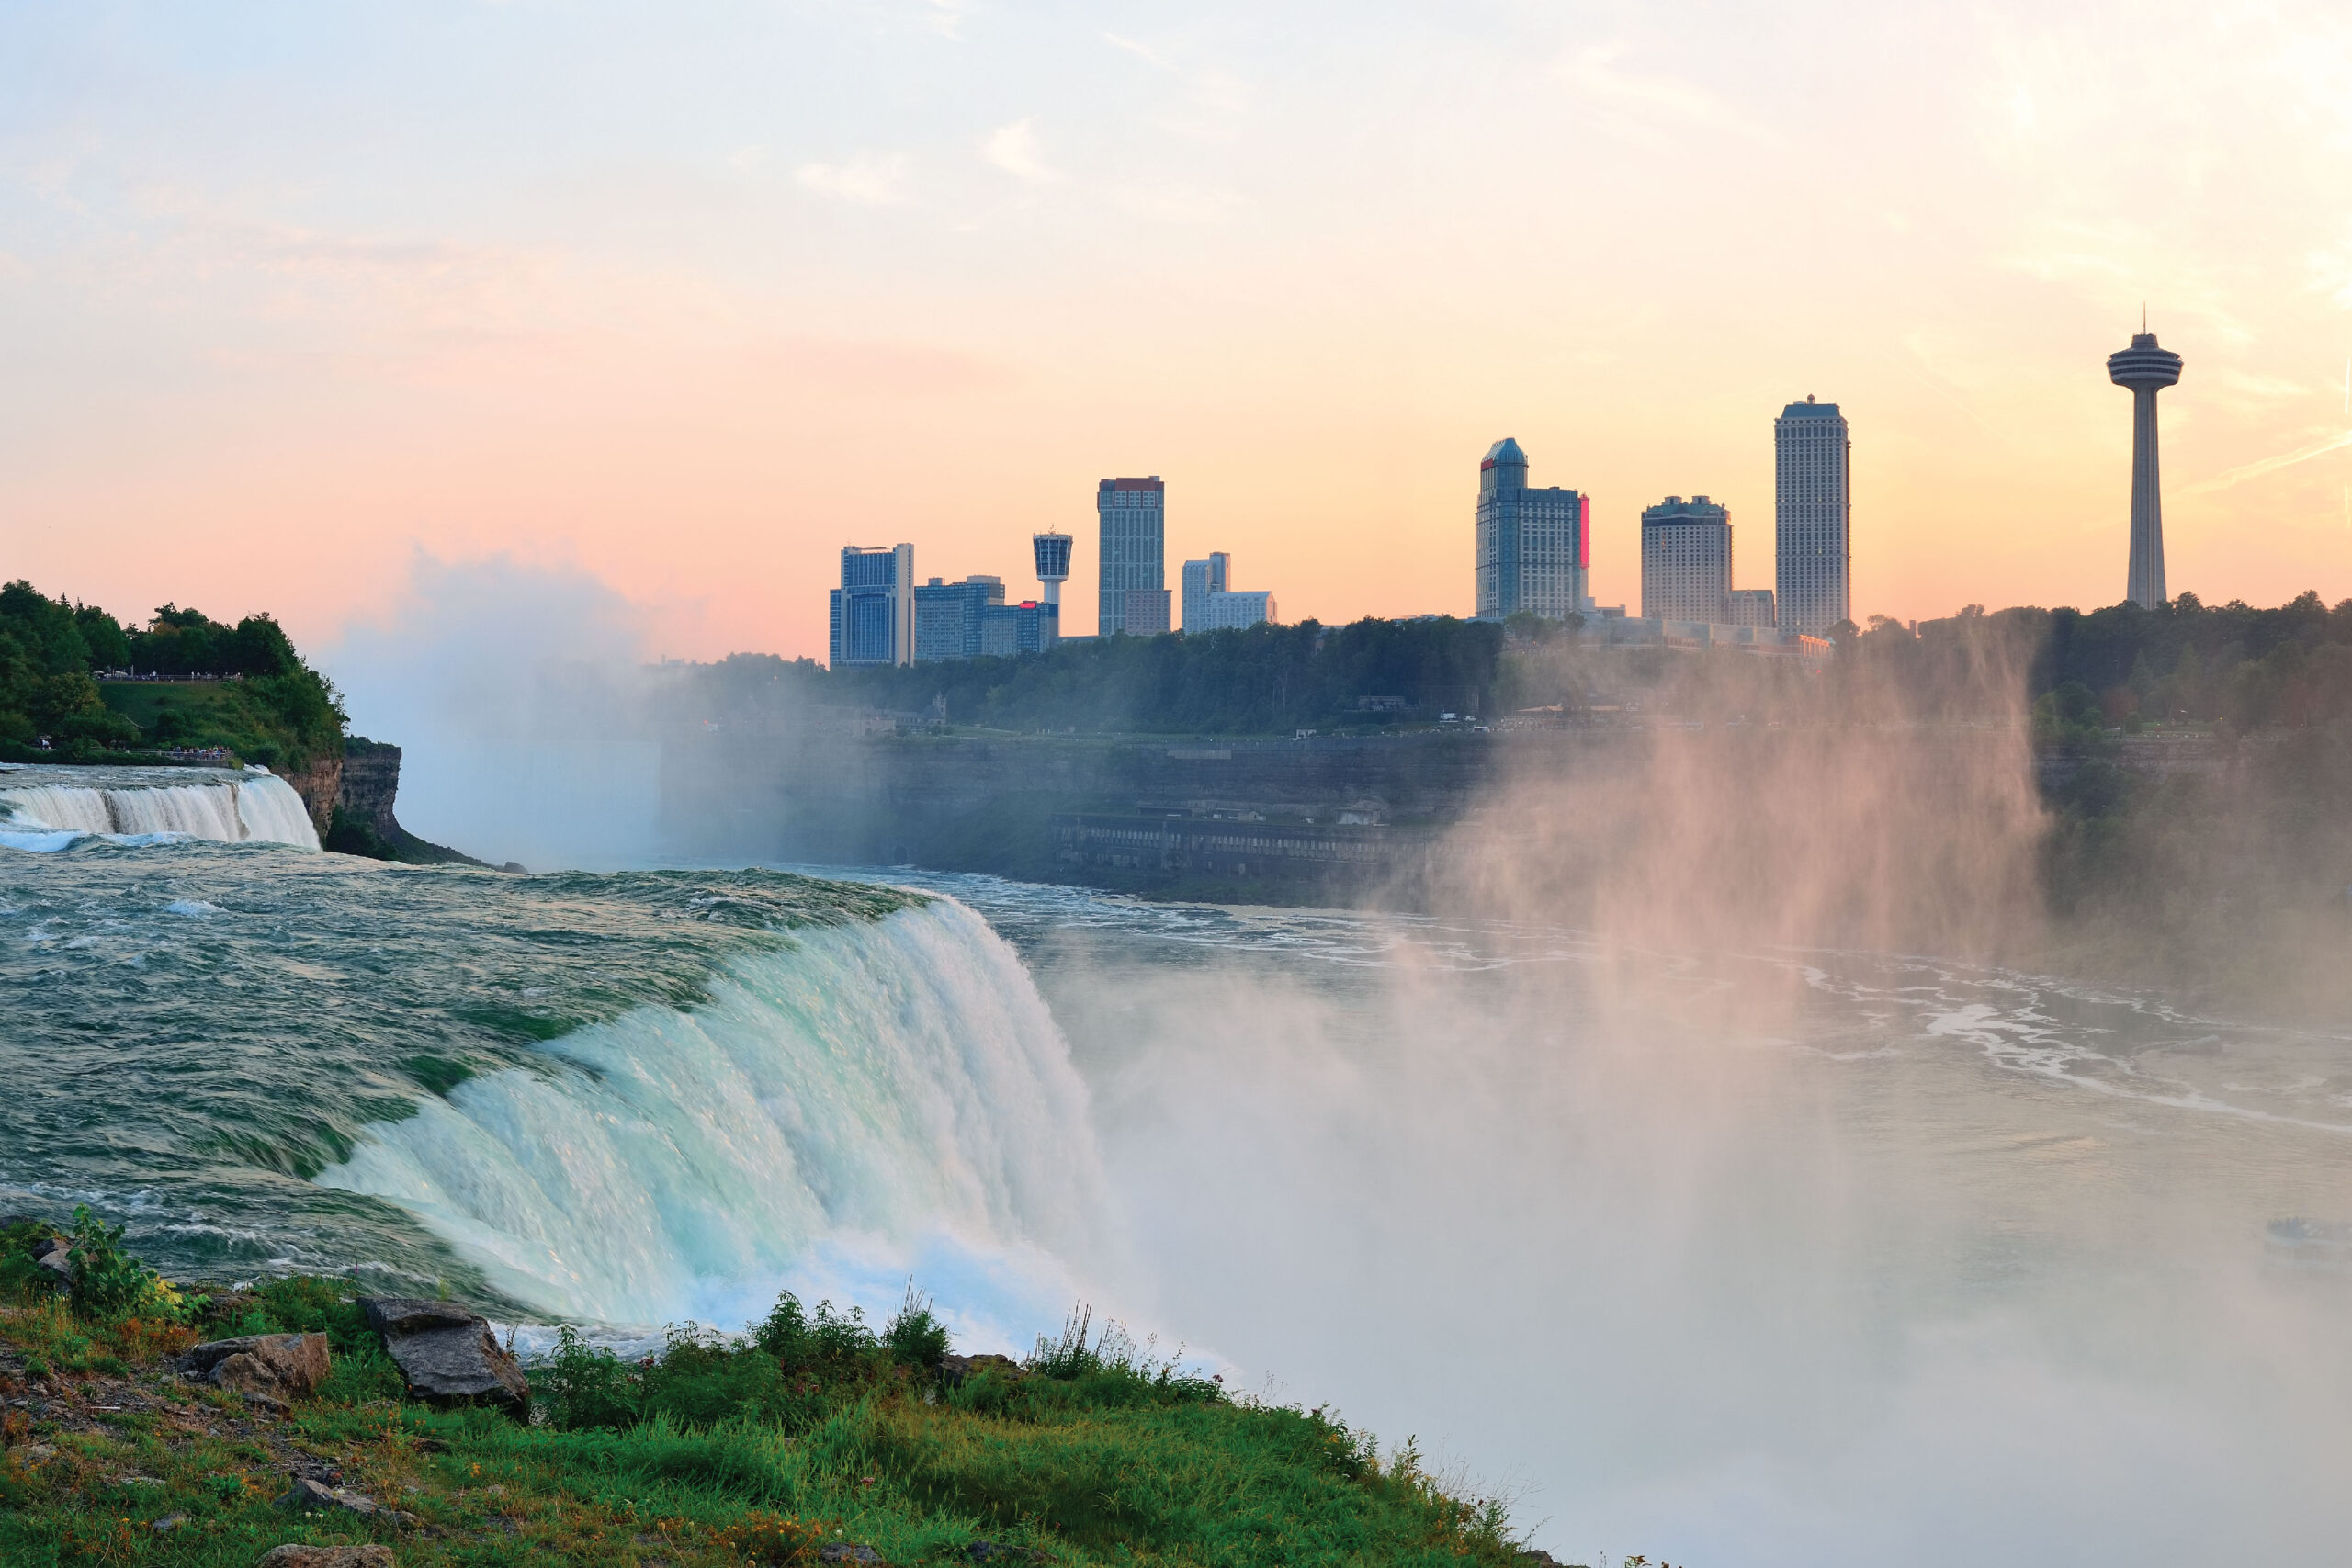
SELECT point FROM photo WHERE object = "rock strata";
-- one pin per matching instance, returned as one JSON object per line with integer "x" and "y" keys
{"x": 447, "y": 1353}
{"x": 283, "y": 1367}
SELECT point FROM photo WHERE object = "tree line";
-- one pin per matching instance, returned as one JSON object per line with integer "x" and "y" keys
{"x": 52, "y": 650}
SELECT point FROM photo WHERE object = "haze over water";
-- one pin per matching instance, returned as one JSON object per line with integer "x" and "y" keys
{"x": 1766, "y": 1257}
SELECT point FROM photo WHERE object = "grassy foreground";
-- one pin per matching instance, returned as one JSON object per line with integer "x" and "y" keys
{"x": 813, "y": 1432}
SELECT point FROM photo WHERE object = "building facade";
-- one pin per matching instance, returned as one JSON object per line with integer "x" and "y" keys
{"x": 1751, "y": 607}
{"x": 1030, "y": 626}
{"x": 1813, "y": 517}
{"x": 1231, "y": 610}
{"x": 1534, "y": 547}
{"x": 1686, "y": 560}
{"x": 873, "y": 612}
{"x": 948, "y": 616}
{"x": 1202, "y": 577}
{"x": 1132, "y": 514}
{"x": 1142, "y": 612}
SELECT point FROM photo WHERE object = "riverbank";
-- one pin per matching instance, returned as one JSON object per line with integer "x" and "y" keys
{"x": 814, "y": 1438}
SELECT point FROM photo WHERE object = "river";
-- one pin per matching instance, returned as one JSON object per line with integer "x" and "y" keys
{"x": 1755, "y": 1258}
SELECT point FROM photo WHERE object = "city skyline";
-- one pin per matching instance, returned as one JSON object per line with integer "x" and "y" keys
{"x": 614, "y": 311}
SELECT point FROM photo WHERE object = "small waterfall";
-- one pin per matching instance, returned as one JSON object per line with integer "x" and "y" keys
{"x": 123, "y": 805}
{"x": 893, "y": 1087}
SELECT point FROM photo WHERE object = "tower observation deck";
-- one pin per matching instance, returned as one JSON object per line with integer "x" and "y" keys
{"x": 2146, "y": 370}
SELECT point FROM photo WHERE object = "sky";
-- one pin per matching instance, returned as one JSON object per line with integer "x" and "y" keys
{"x": 301, "y": 304}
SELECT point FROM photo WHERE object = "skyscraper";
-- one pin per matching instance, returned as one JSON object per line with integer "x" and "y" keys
{"x": 1813, "y": 517}
{"x": 948, "y": 616}
{"x": 873, "y": 612}
{"x": 1686, "y": 560}
{"x": 1534, "y": 545}
{"x": 1052, "y": 551}
{"x": 2146, "y": 370}
{"x": 1202, "y": 577}
{"x": 1134, "y": 514}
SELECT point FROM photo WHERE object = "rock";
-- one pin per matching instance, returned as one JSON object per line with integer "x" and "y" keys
{"x": 166, "y": 1526}
{"x": 990, "y": 1551}
{"x": 842, "y": 1552}
{"x": 276, "y": 1366}
{"x": 60, "y": 1263}
{"x": 954, "y": 1369}
{"x": 310, "y": 1496}
{"x": 293, "y": 1556}
{"x": 49, "y": 1244}
{"x": 447, "y": 1353}
{"x": 390, "y": 1315}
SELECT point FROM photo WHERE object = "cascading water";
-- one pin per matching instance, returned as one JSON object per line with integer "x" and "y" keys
{"x": 50, "y": 809}
{"x": 891, "y": 1082}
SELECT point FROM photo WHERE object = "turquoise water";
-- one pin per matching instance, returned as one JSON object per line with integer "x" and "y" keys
{"x": 197, "y": 1031}
{"x": 1764, "y": 1257}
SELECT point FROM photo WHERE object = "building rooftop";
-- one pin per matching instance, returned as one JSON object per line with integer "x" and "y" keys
{"x": 1151, "y": 483}
{"x": 1504, "y": 451}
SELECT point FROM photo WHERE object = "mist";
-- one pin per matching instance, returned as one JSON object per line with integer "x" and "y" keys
{"x": 1720, "y": 1177}
{"x": 518, "y": 695}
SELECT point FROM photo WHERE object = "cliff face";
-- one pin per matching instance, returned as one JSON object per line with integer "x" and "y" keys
{"x": 368, "y": 779}
{"x": 321, "y": 788}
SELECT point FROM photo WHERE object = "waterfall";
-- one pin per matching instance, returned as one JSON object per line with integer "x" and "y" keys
{"x": 891, "y": 1090}
{"x": 137, "y": 805}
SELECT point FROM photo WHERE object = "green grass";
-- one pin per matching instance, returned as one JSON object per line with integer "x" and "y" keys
{"x": 814, "y": 1428}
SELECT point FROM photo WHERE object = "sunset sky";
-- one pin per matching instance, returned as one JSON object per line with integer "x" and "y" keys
{"x": 297, "y": 301}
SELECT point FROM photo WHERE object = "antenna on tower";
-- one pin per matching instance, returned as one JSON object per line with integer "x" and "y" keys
{"x": 2144, "y": 318}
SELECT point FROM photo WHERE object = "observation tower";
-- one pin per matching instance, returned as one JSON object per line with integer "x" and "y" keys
{"x": 2146, "y": 370}
{"x": 1053, "y": 564}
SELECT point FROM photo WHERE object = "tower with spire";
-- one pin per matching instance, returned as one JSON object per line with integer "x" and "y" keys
{"x": 2146, "y": 370}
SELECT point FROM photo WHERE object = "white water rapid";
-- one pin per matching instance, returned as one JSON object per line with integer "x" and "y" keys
{"x": 879, "y": 1098}
{"x": 50, "y": 809}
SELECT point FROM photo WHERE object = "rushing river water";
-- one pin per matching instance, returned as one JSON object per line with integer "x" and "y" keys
{"x": 1746, "y": 1259}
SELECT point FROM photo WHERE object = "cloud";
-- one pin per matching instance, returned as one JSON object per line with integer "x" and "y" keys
{"x": 1015, "y": 150}
{"x": 1631, "y": 103}
{"x": 2272, "y": 465}
{"x": 873, "y": 179}
{"x": 1176, "y": 206}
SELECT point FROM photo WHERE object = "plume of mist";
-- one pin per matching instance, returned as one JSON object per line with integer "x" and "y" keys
{"x": 519, "y": 697}
{"x": 1887, "y": 802}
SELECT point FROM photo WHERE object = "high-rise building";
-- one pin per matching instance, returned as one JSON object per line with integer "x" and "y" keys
{"x": 1229, "y": 609}
{"x": 1134, "y": 515}
{"x": 1202, "y": 577}
{"x": 1686, "y": 560}
{"x": 1142, "y": 612}
{"x": 948, "y": 616}
{"x": 1813, "y": 517}
{"x": 1030, "y": 626}
{"x": 1751, "y": 607}
{"x": 2147, "y": 370}
{"x": 1052, "y": 551}
{"x": 873, "y": 612}
{"x": 1534, "y": 545}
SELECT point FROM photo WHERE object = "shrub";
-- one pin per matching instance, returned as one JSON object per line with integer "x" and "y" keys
{"x": 914, "y": 1337}
{"x": 587, "y": 1387}
{"x": 109, "y": 1283}
{"x": 700, "y": 1379}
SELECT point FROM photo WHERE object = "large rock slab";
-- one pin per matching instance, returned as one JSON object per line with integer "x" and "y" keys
{"x": 447, "y": 1353}
{"x": 280, "y": 1366}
